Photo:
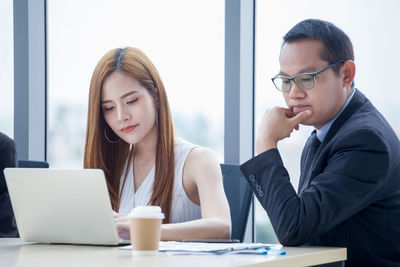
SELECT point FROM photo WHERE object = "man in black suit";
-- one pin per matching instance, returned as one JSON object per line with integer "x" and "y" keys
{"x": 8, "y": 227}
{"x": 349, "y": 189}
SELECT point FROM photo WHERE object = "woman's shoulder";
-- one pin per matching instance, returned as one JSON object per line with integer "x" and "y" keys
{"x": 202, "y": 153}
{"x": 195, "y": 152}
{"x": 201, "y": 160}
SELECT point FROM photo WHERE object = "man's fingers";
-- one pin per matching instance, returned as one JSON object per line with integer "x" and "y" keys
{"x": 300, "y": 117}
{"x": 288, "y": 112}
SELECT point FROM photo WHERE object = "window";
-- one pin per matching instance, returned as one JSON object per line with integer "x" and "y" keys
{"x": 373, "y": 33}
{"x": 184, "y": 39}
{"x": 7, "y": 68}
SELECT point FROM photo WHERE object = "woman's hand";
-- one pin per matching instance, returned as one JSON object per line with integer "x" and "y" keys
{"x": 122, "y": 225}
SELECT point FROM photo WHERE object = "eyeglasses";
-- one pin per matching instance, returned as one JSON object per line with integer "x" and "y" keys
{"x": 304, "y": 81}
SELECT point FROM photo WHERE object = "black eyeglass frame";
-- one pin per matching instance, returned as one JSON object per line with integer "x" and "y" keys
{"x": 313, "y": 74}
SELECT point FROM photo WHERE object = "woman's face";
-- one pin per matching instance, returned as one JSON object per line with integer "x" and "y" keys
{"x": 128, "y": 107}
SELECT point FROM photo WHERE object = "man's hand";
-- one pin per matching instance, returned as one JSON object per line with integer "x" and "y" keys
{"x": 277, "y": 124}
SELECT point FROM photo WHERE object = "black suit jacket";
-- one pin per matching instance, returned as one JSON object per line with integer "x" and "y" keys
{"x": 350, "y": 197}
{"x": 8, "y": 227}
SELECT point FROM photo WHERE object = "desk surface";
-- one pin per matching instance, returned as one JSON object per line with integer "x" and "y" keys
{"x": 13, "y": 252}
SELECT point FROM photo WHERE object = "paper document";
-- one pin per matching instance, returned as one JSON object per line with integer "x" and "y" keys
{"x": 218, "y": 248}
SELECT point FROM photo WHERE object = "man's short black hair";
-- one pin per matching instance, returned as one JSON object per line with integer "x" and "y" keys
{"x": 337, "y": 45}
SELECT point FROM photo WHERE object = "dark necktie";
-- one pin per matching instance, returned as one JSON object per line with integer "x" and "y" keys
{"x": 313, "y": 145}
{"x": 311, "y": 148}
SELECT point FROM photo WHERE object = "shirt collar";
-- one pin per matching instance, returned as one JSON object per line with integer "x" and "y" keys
{"x": 321, "y": 133}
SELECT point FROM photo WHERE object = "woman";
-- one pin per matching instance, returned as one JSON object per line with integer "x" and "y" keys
{"x": 130, "y": 137}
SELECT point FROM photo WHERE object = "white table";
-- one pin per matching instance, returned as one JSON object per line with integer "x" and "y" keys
{"x": 14, "y": 252}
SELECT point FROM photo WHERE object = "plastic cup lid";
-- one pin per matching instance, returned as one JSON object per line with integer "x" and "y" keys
{"x": 151, "y": 212}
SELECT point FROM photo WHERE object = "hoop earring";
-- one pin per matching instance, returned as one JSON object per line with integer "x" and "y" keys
{"x": 108, "y": 139}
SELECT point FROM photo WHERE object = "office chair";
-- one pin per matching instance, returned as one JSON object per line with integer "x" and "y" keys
{"x": 32, "y": 164}
{"x": 239, "y": 194}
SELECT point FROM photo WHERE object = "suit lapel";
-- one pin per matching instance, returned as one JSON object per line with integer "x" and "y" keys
{"x": 356, "y": 103}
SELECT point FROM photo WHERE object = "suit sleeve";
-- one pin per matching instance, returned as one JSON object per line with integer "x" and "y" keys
{"x": 355, "y": 170}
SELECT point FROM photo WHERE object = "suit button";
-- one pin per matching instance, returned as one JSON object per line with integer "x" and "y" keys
{"x": 258, "y": 188}
{"x": 252, "y": 177}
{"x": 261, "y": 193}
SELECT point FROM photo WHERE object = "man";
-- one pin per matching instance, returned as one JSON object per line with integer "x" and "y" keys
{"x": 349, "y": 189}
{"x": 8, "y": 227}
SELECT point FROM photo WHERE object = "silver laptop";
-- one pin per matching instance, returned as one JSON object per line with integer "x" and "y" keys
{"x": 62, "y": 206}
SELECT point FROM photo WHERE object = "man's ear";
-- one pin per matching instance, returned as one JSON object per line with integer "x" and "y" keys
{"x": 349, "y": 71}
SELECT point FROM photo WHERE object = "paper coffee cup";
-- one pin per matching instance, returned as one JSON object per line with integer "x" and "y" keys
{"x": 145, "y": 229}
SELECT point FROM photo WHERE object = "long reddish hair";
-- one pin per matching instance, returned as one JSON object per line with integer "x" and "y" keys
{"x": 111, "y": 157}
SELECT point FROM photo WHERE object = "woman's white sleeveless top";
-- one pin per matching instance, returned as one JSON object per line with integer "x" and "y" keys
{"x": 183, "y": 209}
